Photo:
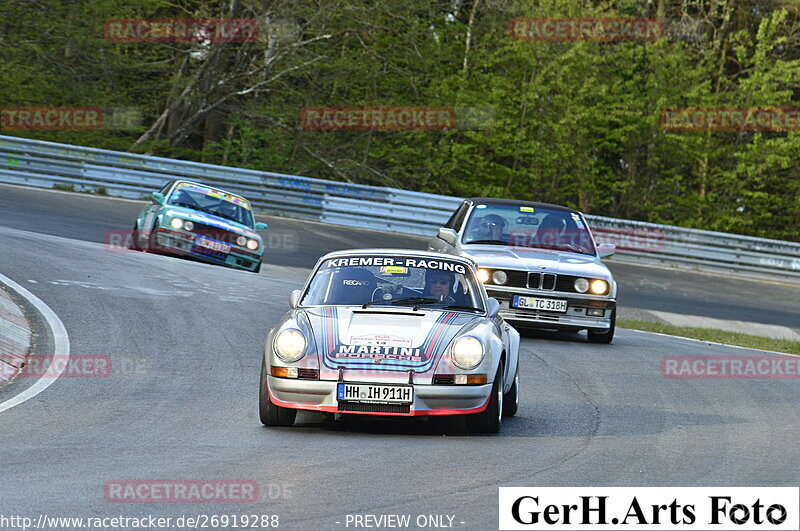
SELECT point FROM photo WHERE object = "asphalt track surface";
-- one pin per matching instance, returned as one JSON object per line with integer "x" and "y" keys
{"x": 186, "y": 339}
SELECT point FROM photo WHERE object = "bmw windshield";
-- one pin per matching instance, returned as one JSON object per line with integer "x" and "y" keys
{"x": 211, "y": 201}
{"x": 377, "y": 280}
{"x": 528, "y": 226}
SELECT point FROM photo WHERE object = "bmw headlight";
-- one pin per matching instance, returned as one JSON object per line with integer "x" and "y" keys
{"x": 483, "y": 275}
{"x": 252, "y": 244}
{"x": 188, "y": 225}
{"x": 467, "y": 352}
{"x": 598, "y": 287}
{"x": 241, "y": 241}
{"x": 499, "y": 277}
{"x": 176, "y": 223}
{"x": 289, "y": 344}
{"x": 581, "y": 285}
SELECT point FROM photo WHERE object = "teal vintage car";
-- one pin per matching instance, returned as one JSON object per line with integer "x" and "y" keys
{"x": 202, "y": 222}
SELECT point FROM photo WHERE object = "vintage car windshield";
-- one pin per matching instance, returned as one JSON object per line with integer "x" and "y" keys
{"x": 394, "y": 280}
{"x": 527, "y": 226}
{"x": 213, "y": 202}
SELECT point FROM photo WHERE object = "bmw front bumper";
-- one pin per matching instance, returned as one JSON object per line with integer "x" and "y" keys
{"x": 320, "y": 395}
{"x": 180, "y": 243}
{"x": 575, "y": 318}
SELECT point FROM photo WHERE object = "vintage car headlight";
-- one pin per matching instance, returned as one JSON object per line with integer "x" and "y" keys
{"x": 581, "y": 285}
{"x": 176, "y": 223}
{"x": 499, "y": 277}
{"x": 598, "y": 287}
{"x": 188, "y": 225}
{"x": 241, "y": 241}
{"x": 252, "y": 244}
{"x": 483, "y": 275}
{"x": 289, "y": 344}
{"x": 467, "y": 352}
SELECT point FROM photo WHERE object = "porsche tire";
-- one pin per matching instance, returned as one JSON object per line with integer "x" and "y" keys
{"x": 511, "y": 398}
{"x": 488, "y": 421}
{"x": 607, "y": 336}
{"x": 272, "y": 415}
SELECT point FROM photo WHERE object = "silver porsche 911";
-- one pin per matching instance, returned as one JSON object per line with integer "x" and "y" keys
{"x": 539, "y": 260}
{"x": 391, "y": 332}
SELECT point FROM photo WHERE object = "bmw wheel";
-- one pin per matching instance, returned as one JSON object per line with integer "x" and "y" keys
{"x": 606, "y": 336}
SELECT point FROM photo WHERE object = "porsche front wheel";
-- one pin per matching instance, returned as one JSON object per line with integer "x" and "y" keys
{"x": 488, "y": 421}
{"x": 271, "y": 414}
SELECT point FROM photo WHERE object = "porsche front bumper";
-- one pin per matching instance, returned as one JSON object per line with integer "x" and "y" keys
{"x": 320, "y": 395}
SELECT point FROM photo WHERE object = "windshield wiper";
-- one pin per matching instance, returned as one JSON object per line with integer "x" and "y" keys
{"x": 410, "y": 301}
{"x": 492, "y": 242}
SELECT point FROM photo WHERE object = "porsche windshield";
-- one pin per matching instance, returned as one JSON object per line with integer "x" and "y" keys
{"x": 212, "y": 201}
{"x": 528, "y": 226}
{"x": 420, "y": 282}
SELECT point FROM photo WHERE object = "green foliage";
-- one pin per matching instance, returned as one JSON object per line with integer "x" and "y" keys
{"x": 577, "y": 123}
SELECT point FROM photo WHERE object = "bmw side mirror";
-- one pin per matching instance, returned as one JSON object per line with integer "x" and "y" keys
{"x": 261, "y": 227}
{"x": 157, "y": 197}
{"x": 606, "y": 249}
{"x": 492, "y": 307}
{"x": 294, "y": 299}
{"x": 448, "y": 235}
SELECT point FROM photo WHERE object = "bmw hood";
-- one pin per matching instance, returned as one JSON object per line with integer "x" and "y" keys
{"x": 537, "y": 260}
{"x": 212, "y": 220}
{"x": 395, "y": 339}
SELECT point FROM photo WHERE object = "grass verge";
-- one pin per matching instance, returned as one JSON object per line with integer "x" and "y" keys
{"x": 717, "y": 336}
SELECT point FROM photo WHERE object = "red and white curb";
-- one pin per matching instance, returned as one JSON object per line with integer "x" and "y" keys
{"x": 15, "y": 337}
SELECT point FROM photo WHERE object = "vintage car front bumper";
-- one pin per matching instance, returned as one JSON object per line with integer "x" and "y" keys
{"x": 181, "y": 243}
{"x": 320, "y": 395}
{"x": 575, "y": 318}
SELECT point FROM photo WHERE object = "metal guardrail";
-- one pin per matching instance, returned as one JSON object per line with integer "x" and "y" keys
{"x": 49, "y": 165}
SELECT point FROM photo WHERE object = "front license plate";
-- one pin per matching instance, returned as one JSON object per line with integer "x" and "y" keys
{"x": 375, "y": 394}
{"x": 214, "y": 245}
{"x": 535, "y": 303}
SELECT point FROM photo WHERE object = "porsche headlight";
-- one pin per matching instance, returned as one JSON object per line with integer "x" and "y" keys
{"x": 252, "y": 244}
{"x": 598, "y": 287}
{"x": 290, "y": 345}
{"x": 483, "y": 275}
{"x": 176, "y": 223}
{"x": 499, "y": 277}
{"x": 467, "y": 352}
{"x": 581, "y": 285}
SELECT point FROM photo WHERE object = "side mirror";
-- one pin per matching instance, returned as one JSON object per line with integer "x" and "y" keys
{"x": 261, "y": 227}
{"x": 157, "y": 197}
{"x": 294, "y": 298}
{"x": 606, "y": 249}
{"x": 492, "y": 307}
{"x": 448, "y": 235}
